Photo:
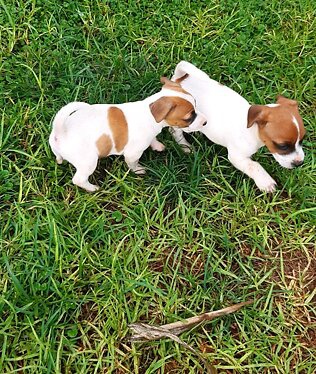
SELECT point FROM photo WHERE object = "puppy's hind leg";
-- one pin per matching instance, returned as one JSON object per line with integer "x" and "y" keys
{"x": 59, "y": 158}
{"x": 52, "y": 144}
{"x": 84, "y": 170}
{"x": 132, "y": 160}
{"x": 178, "y": 135}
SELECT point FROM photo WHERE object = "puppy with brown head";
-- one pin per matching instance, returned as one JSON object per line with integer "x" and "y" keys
{"x": 281, "y": 129}
{"x": 243, "y": 128}
{"x": 83, "y": 133}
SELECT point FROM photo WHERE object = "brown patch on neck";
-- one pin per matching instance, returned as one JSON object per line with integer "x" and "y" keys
{"x": 118, "y": 126}
{"x": 104, "y": 145}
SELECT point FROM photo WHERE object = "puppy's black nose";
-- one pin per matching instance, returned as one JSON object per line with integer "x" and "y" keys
{"x": 297, "y": 163}
{"x": 204, "y": 123}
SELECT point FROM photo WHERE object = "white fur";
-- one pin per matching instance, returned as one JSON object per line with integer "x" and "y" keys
{"x": 226, "y": 112}
{"x": 78, "y": 126}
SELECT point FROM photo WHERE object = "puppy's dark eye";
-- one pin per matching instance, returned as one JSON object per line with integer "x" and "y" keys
{"x": 283, "y": 147}
{"x": 191, "y": 118}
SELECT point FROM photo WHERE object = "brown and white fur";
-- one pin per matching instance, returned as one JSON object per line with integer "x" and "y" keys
{"x": 83, "y": 133}
{"x": 243, "y": 128}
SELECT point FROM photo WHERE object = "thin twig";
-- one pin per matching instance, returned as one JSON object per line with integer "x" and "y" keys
{"x": 143, "y": 332}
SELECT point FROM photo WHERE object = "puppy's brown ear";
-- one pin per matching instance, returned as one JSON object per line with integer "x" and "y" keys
{"x": 161, "y": 107}
{"x": 179, "y": 80}
{"x": 283, "y": 100}
{"x": 164, "y": 80}
{"x": 257, "y": 114}
{"x": 168, "y": 82}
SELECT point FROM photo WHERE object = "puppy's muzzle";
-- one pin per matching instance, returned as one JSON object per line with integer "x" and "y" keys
{"x": 297, "y": 163}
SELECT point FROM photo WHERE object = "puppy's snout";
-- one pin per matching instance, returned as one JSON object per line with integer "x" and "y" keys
{"x": 297, "y": 163}
{"x": 204, "y": 123}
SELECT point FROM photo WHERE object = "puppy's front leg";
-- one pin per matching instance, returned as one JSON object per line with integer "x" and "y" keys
{"x": 254, "y": 170}
{"x": 157, "y": 145}
{"x": 132, "y": 160}
{"x": 178, "y": 135}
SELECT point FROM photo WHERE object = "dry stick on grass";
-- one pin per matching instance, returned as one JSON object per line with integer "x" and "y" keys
{"x": 143, "y": 332}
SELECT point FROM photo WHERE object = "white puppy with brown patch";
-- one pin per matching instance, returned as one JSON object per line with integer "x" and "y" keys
{"x": 243, "y": 128}
{"x": 83, "y": 133}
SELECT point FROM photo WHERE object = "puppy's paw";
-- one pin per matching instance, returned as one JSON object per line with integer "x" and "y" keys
{"x": 187, "y": 148}
{"x": 91, "y": 187}
{"x": 266, "y": 184}
{"x": 158, "y": 146}
{"x": 140, "y": 170}
{"x": 59, "y": 160}
{"x": 86, "y": 185}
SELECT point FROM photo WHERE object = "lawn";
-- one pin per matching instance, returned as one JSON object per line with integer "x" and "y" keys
{"x": 193, "y": 234}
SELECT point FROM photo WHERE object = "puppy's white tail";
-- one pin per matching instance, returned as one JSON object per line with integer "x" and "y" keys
{"x": 58, "y": 127}
{"x": 186, "y": 68}
{"x": 64, "y": 113}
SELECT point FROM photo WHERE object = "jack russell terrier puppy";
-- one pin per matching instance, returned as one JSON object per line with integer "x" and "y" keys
{"x": 83, "y": 133}
{"x": 243, "y": 128}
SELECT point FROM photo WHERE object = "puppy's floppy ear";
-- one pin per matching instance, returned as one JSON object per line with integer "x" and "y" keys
{"x": 161, "y": 107}
{"x": 168, "y": 82}
{"x": 283, "y": 100}
{"x": 179, "y": 80}
{"x": 257, "y": 114}
{"x": 164, "y": 80}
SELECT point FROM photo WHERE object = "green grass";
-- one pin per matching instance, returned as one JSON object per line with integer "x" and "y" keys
{"x": 191, "y": 236}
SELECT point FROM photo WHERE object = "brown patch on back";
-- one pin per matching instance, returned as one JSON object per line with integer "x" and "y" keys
{"x": 173, "y": 109}
{"x": 275, "y": 124}
{"x": 118, "y": 126}
{"x": 104, "y": 145}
